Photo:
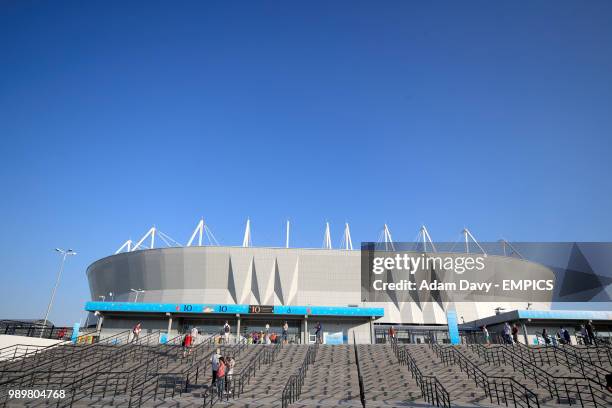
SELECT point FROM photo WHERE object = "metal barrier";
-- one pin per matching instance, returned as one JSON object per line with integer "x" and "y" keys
{"x": 499, "y": 389}
{"x": 17, "y": 351}
{"x": 58, "y": 373}
{"x": 583, "y": 391}
{"x": 600, "y": 355}
{"x": 266, "y": 355}
{"x": 50, "y": 358}
{"x": 148, "y": 383}
{"x": 293, "y": 388}
{"x": 359, "y": 377}
{"x": 36, "y": 330}
{"x": 121, "y": 355}
{"x": 432, "y": 389}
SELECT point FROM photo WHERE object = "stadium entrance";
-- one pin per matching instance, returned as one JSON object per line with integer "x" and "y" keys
{"x": 338, "y": 323}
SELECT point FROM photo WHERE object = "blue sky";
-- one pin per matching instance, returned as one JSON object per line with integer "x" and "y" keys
{"x": 115, "y": 117}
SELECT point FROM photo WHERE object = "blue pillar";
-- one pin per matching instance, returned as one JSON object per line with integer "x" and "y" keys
{"x": 75, "y": 332}
{"x": 453, "y": 328}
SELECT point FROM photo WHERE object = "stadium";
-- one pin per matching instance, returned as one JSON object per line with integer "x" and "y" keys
{"x": 157, "y": 334}
{"x": 179, "y": 287}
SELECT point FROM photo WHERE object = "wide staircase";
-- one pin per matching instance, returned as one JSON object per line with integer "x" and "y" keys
{"x": 145, "y": 373}
{"x": 462, "y": 389}
{"x": 555, "y": 375}
{"x": 386, "y": 383}
{"x": 332, "y": 380}
{"x": 266, "y": 386}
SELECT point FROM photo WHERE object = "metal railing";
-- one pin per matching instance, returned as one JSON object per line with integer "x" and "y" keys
{"x": 293, "y": 388}
{"x": 150, "y": 360}
{"x": 52, "y": 358}
{"x": 83, "y": 381}
{"x": 562, "y": 356}
{"x": 236, "y": 384}
{"x": 150, "y": 383}
{"x": 359, "y": 377}
{"x": 583, "y": 391}
{"x": 68, "y": 377}
{"x": 38, "y": 330}
{"x": 432, "y": 389}
{"x": 499, "y": 389}
{"x": 18, "y": 351}
{"x": 600, "y": 355}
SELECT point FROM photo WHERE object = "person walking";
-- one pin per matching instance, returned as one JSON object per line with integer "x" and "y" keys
{"x": 590, "y": 332}
{"x": 392, "y": 333}
{"x": 318, "y": 331}
{"x": 226, "y": 332}
{"x": 194, "y": 335}
{"x": 230, "y": 374}
{"x": 567, "y": 337}
{"x": 507, "y": 331}
{"x": 187, "y": 344}
{"x": 136, "y": 332}
{"x": 487, "y": 337}
{"x": 546, "y": 337}
{"x": 221, "y": 377}
{"x": 214, "y": 363}
{"x": 584, "y": 335}
{"x": 561, "y": 335}
{"x": 285, "y": 332}
{"x": 515, "y": 331}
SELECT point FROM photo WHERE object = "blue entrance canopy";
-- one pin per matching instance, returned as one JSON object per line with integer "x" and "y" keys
{"x": 211, "y": 308}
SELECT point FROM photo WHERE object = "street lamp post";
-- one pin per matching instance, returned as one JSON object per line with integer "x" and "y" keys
{"x": 137, "y": 292}
{"x": 64, "y": 253}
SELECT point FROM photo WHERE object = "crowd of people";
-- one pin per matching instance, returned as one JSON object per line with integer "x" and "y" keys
{"x": 510, "y": 335}
{"x": 222, "y": 372}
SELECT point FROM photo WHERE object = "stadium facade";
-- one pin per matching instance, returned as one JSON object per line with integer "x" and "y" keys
{"x": 176, "y": 288}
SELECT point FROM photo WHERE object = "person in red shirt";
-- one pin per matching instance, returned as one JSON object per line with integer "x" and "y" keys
{"x": 187, "y": 344}
{"x": 392, "y": 333}
{"x": 221, "y": 377}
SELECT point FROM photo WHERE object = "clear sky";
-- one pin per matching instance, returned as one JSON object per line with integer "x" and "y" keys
{"x": 115, "y": 117}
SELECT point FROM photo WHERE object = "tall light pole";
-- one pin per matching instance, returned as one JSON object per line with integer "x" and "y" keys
{"x": 137, "y": 292}
{"x": 64, "y": 253}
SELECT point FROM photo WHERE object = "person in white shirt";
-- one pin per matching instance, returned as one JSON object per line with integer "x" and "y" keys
{"x": 194, "y": 335}
{"x": 214, "y": 363}
{"x": 226, "y": 332}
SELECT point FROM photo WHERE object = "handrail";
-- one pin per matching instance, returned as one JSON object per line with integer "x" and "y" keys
{"x": 432, "y": 389}
{"x": 152, "y": 378}
{"x": 118, "y": 355}
{"x": 37, "y": 350}
{"x": 238, "y": 381}
{"x": 560, "y": 356}
{"x": 293, "y": 387}
{"x": 598, "y": 350}
{"x": 560, "y": 387}
{"x": 153, "y": 357}
{"x": 121, "y": 354}
{"x": 503, "y": 389}
{"x": 359, "y": 377}
{"x": 77, "y": 354}
{"x": 44, "y": 377}
{"x": 18, "y": 351}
